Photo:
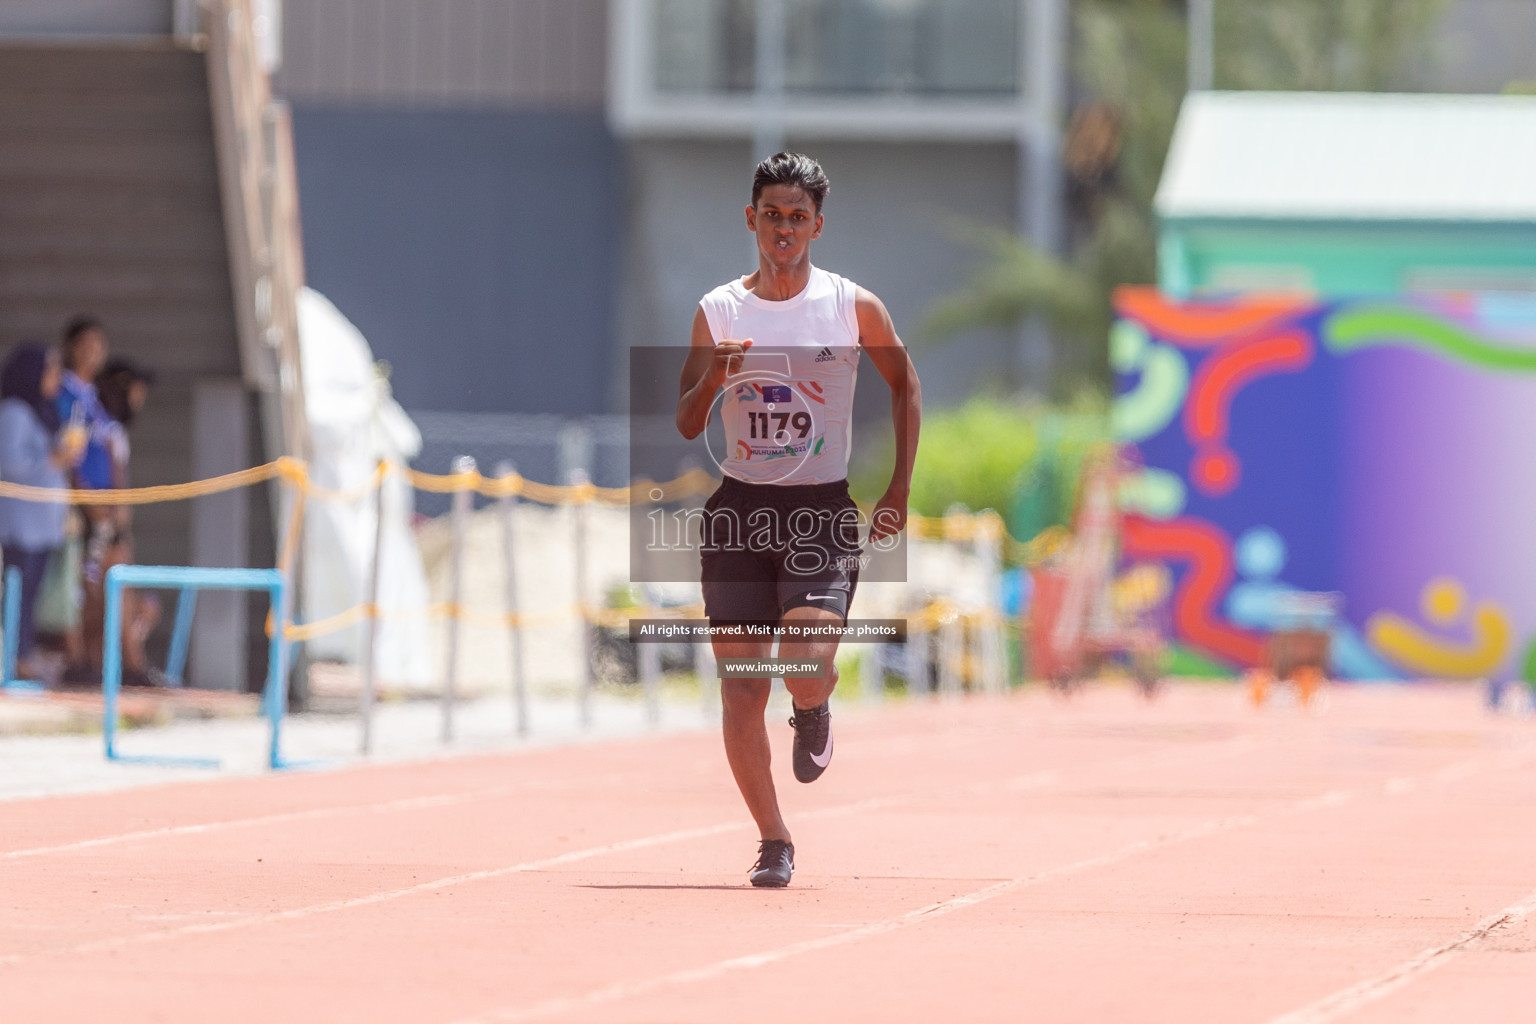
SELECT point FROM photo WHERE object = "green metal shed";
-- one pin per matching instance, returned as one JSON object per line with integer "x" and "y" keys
{"x": 1349, "y": 194}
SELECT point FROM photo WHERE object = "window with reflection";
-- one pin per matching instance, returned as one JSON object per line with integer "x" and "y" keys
{"x": 843, "y": 47}
{"x": 705, "y": 46}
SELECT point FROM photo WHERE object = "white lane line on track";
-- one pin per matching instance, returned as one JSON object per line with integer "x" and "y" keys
{"x": 1348, "y": 1000}
{"x": 299, "y": 913}
{"x": 1048, "y": 777}
{"x": 315, "y": 813}
{"x": 384, "y": 807}
{"x": 1029, "y": 781}
{"x": 1331, "y": 798}
{"x": 709, "y": 972}
{"x": 1032, "y": 781}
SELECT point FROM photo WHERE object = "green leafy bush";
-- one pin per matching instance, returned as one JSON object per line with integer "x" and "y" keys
{"x": 1019, "y": 458}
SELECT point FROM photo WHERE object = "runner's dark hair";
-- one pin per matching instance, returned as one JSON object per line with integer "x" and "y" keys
{"x": 795, "y": 169}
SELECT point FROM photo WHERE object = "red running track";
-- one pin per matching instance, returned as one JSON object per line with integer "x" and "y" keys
{"x": 1004, "y": 859}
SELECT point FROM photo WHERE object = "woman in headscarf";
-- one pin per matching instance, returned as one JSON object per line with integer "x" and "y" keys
{"x": 31, "y": 453}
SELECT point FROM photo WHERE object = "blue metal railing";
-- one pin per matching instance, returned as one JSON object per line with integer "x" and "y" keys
{"x": 189, "y": 579}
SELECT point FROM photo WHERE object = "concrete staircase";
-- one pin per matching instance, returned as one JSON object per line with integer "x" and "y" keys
{"x": 110, "y": 204}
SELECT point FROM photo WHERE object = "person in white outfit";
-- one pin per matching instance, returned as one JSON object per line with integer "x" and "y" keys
{"x": 780, "y": 536}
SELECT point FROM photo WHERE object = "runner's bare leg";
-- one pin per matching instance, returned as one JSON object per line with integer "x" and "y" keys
{"x": 809, "y": 692}
{"x": 743, "y": 703}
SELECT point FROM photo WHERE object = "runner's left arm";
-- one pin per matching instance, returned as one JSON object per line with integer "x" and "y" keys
{"x": 877, "y": 335}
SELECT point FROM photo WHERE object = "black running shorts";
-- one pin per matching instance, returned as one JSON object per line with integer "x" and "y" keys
{"x": 768, "y": 548}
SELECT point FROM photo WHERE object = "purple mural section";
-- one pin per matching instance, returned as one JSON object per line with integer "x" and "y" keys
{"x": 1376, "y": 449}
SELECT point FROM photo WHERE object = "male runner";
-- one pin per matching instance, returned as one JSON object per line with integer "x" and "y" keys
{"x": 784, "y": 504}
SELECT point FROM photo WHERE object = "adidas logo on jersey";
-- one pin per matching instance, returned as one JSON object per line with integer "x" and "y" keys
{"x": 825, "y": 356}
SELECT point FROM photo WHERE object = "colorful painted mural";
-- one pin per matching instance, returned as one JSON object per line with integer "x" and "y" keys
{"x": 1385, "y": 450}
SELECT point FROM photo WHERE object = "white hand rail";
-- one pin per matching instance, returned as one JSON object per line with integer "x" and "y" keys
{"x": 258, "y": 183}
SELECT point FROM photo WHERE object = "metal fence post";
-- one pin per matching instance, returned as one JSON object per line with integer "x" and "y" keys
{"x": 181, "y": 637}
{"x": 275, "y": 693}
{"x": 12, "y": 617}
{"x": 648, "y": 662}
{"x": 579, "y": 478}
{"x": 111, "y": 657}
{"x": 463, "y": 502}
{"x": 707, "y": 669}
{"x": 508, "y": 508}
{"x": 950, "y": 652}
{"x": 573, "y": 450}
{"x": 918, "y": 640}
{"x": 989, "y": 544}
{"x": 918, "y": 643}
{"x": 870, "y": 673}
{"x": 371, "y": 621}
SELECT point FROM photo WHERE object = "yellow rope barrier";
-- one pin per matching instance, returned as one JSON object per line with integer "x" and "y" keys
{"x": 693, "y": 482}
{"x": 295, "y": 472}
{"x": 297, "y": 633}
{"x": 982, "y": 526}
{"x": 448, "y": 483}
{"x": 145, "y": 495}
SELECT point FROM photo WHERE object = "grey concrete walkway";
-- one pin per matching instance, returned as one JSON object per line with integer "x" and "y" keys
{"x": 45, "y": 765}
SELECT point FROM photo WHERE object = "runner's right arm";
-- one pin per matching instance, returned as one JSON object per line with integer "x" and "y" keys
{"x": 704, "y": 371}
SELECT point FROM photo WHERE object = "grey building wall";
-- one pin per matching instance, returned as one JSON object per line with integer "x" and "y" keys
{"x": 476, "y": 250}
{"x": 460, "y": 192}
{"x": 450, "y": 54}
{"x": 85, "y": 17}
{"x": 890, "y": 221}
{"x": 464, "y": 203}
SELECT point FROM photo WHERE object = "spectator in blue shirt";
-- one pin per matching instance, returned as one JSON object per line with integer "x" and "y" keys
{"x": 85, "y": 353}
{"x": 30, "y": 531}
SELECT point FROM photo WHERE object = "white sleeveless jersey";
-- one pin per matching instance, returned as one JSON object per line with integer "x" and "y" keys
{"x": 788, "y": 411}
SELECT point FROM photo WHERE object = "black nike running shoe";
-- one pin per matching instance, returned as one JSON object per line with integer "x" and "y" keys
{"x": 775, "y": 863}
{"x": 813, "y": 741}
